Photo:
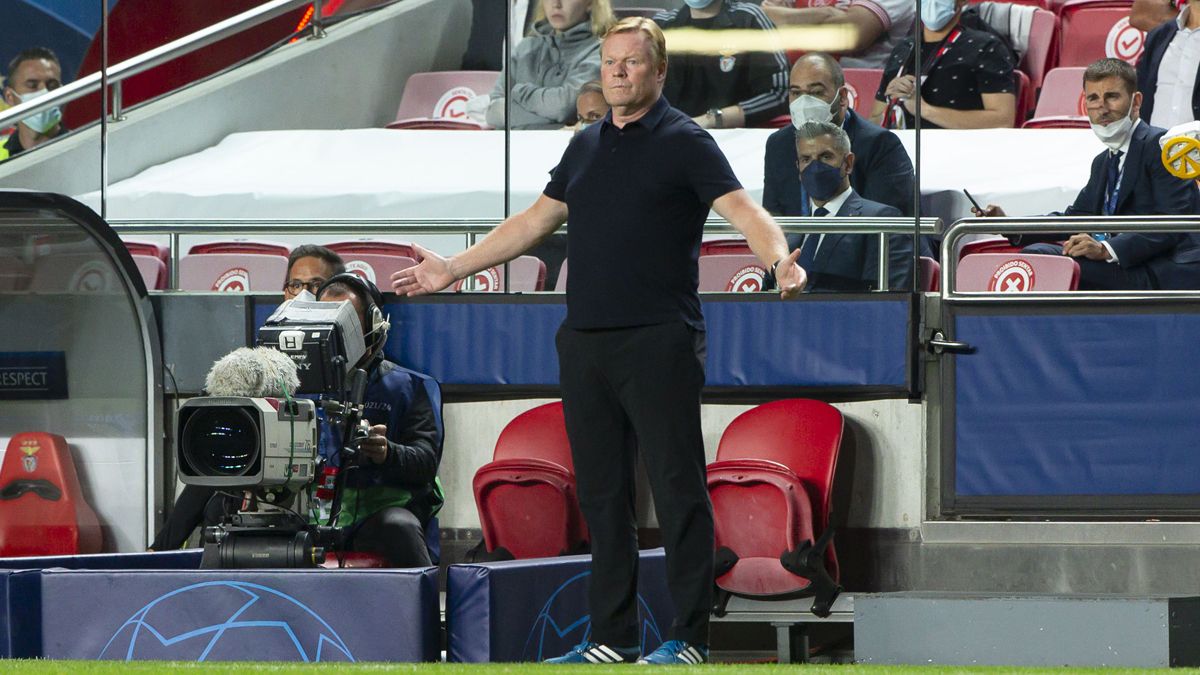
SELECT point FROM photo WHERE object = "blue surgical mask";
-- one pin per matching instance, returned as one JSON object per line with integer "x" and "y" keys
{"x": 820, "y": 180}
{"x": 582, "y": 125}
{"x": 935, "y": 14}
{"x": 46, "y": 119}
{"x": 699, "y": 4}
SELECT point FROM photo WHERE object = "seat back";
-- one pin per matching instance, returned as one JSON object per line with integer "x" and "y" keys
{"x": 1040, "y": 53}
{"x": 150, "y": 248}
{"x": 861, "y": 85}
{"x": 560, "y": 284}
{"x": 528, "y": 275}
{"x": 443, "y": 95}
{"x": 1016, "y": 273}
{"x": 1025, "y": 98}
{"x": 378, "y": 269}
{"x": 371, "y": 247}
{"x": 231, "y": 272}
{"x": 153, "y": 271}
{"x": 731, "y": 274}
{"x": 1092, "y": 29}
{"x": 42, "y": 510}
{"x": 931, "y": 275}
{"x": 242, "y": 246}
{"x": 538, "y": 433}
{"x": 994, "y": 244}
{"x": 725, "y": 246}
{"x": 1062, "y": 94}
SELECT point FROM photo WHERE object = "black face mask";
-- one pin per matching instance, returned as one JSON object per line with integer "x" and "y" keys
{"x": 40, "y": 487}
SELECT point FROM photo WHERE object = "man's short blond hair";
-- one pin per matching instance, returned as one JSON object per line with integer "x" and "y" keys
{"x": 654, "y": 35}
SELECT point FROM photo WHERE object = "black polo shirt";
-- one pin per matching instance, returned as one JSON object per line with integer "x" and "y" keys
{"x": 637, "y": 199}
{"x": 976, "y": 63}
{"x": 755, "y": 81}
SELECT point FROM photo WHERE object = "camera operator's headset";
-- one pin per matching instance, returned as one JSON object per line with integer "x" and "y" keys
{"x": 369, "y": 293}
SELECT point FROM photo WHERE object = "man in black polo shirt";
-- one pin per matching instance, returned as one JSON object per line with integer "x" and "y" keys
{"x": 725, "y": 91}
{"x": 638, "y": 186}
{"x": 32, "y": 73}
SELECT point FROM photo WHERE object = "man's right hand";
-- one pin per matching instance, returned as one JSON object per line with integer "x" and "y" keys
{"x": 989, "y": 211}
{"x": 431, "y": 275}
{"x": 901, "y": 87}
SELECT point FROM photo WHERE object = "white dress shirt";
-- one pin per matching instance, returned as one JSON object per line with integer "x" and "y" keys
{"x": 1177, "y": 76}
{"x": 1124, "y": 150}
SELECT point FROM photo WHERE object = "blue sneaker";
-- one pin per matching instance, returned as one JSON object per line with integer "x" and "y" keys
{"x": 591, "y": 652}
{"x": 676, "y": 652}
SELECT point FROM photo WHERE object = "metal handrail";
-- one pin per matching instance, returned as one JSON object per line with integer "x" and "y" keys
{"x": 471, "y": 228}
{"x": 1064, "y": 224}
{"x": 154, "y": 57}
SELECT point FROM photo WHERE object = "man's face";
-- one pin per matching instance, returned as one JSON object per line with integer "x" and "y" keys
{"x": 627, "y": 71}
{"x": 821, "y": 149}
{"x": 1108, "y": 100}
{"x": 32, "y": 75}
{"x": 307, "y": 272}
{"x": 813, "y": 78}
{"x": 591, "y": 107}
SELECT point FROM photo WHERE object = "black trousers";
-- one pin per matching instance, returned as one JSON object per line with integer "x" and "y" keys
{"x": 1097, "y": 275}
{"x": 626, "y": 391}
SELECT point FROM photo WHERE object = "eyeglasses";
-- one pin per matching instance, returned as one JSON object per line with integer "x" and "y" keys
{"x": 295, "y": 286}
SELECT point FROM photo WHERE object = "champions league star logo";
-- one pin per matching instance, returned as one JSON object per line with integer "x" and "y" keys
{"x": 253, "y": 623}
{"x": 556, "y": 628}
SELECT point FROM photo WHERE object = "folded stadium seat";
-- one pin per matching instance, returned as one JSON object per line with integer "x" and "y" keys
{"x": 14, "y": 273}
{"x": 242, "y": 246}
{"x": 375, "y": 261}
{"x": 931, "y": 275}
{"x": 439, "y": 100}
{"x": 153, "y": 271}
{"x": 372, "y": 247}
{"x": 861, "y": 85}
{"x": 1061, "y": 104}
{"x": 42, "y": 510}
{"x": 526, "y": 497}
{"x": 528, "y": 274}
{"x": 994, "y": 244}
{"x": 724, "y": 246}
{"x": 1093, "y": 29}
{"x": 771, "y": 488}
{"x": 1040, "y": 52}
{"x": 560, "y": 284}
{"x": 73, "y": 273}
{"x": 232, "y": 272}
{"x": 736, "y": 273}
{"x": 150, "y": 248}
{"x": 1016, "y": 273}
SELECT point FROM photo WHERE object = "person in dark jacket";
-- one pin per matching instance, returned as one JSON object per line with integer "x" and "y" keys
{"x": 1168, "y": 74}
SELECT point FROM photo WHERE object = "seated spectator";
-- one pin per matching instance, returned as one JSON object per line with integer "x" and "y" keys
{"x": 550, "y": 65}
{"x": 590, "y": 106}
{"x": 1169, "y": 70}
{"x": 309, "y": 266}
{"x": 967, "y": 76}
{"x": 393, "y": 490}
{"x": 879, "y": 25}
{"x": 1126, "y": 179}
{"x": 32, "y": 73}
{"x": 725, "y": 91}
{"x": 882, "y": 170}
{"x": 1146, "y": 15}
{"x": 842, "y": 262}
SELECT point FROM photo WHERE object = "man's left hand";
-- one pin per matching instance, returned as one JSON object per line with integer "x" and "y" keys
{"x": 375, "y": 446}
{"x": 790, "y": 277}
{"x": 1085, "y": 246}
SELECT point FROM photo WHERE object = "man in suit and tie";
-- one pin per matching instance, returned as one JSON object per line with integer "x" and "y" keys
{"x": 1126, "y": 179}
{"x": 842, "y": 262}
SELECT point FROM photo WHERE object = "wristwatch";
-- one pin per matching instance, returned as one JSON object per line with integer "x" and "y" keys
{"x": 718, "y": 118}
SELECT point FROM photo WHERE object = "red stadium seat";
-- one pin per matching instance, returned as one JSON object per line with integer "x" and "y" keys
{"x": 737, "y": 273}
{"x": 375, "y": 261}
{"x": 153, "y": 271}
{"x": 861, "y": 85}
{"x": 241, "y": 246}
{"x": 1093, "y": 29}
{"x": 560, "y": 284}
{"x": 771, "y": 491}
{"x": 931, "y": 275}
{"x": 1024, "y": 99}
{"x": 438, "y": 100}
{"x": 724, "y": 247}
{"x": 368, "y": 246}
{"x": 996, "y": 244}
{"x": 232, "y": 272}
{"x": 1061, "y": 104}
{"x": 136, "y": 247}
{"x": 42, "y": 510}
{"x": 526, "y": 495}
{"x": 528, "y": 274}
{"x": 1039, "y": 56}
{"x": 1017, "y": 273}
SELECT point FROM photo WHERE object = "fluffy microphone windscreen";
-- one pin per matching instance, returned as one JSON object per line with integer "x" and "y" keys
{"x": 256, "y": 372}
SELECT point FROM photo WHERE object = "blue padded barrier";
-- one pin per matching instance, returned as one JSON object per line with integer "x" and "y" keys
{"x": 530, "y": 610}
{"x": 826, "y": 342}
{"x": 1095, "y": 404}
{"x": 235, "y": 615}
{"x": 187, "y": 559}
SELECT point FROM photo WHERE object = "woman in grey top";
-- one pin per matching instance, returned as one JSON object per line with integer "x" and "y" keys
{"x": 549, "y": 67}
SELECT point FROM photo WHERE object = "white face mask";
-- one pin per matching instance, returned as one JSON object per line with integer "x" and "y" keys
{"x": 46, "y": 119}
{"x": 809, "y": 108}
{"x": 1116, "y": 133}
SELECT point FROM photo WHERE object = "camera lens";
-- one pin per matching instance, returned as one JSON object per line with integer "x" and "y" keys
{"x": 220, "y": 441}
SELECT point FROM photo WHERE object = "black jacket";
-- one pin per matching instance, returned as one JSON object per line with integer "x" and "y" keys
{"x": 1157, "y": 42}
